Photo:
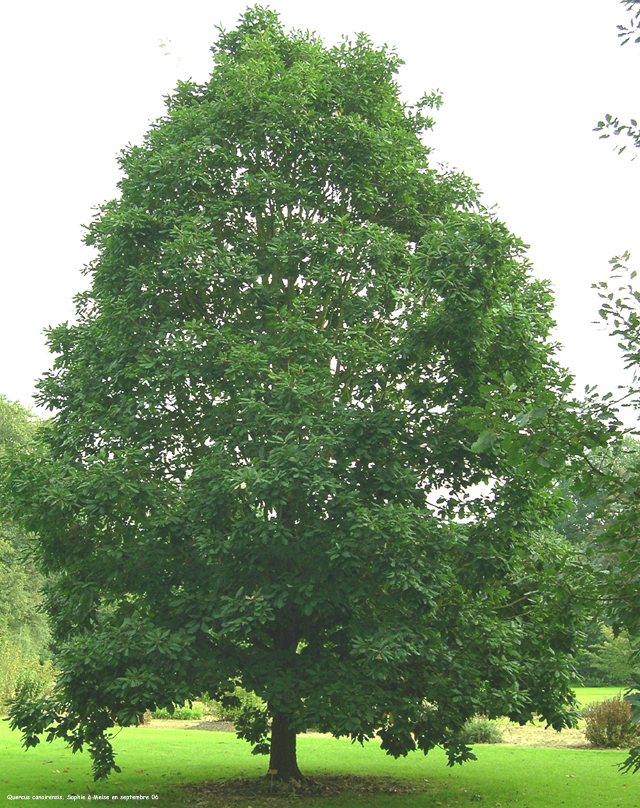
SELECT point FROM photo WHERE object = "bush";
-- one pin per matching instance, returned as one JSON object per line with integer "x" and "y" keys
{"x": 179, "y": 714}
{"x": 22, "y": 673}
{"x": 481, "y": 730}
{"x": 231, "y": 706}
{"x": 609, "y": 723}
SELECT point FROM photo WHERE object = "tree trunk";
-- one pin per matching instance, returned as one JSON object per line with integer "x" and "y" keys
{"x": 283, "y": 764}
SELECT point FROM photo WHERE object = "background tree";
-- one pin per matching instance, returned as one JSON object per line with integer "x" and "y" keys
{"x": 606, "y": 658}
{"x": 611, "y": 658}
{"x": 620, "y": 311}
{"x": 263, "y": 467}
{"x": 619, "y": 483}
{"x": 24, "y": 633}
{"x": 22, "y": 624}
{"x": 17, "y": 424}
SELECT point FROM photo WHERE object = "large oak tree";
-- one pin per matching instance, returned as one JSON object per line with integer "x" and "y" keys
{"x": 260, "y": 467}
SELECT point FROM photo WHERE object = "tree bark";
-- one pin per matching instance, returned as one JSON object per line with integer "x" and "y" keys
{"x": 283, "y": 764}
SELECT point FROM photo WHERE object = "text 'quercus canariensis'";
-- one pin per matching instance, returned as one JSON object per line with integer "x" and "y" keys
{"x": 264, "y": 394}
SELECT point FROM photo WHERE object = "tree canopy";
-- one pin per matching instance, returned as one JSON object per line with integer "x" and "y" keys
{"x": 263, "y": 465}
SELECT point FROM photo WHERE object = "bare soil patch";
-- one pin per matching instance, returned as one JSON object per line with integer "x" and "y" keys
{"x": 214, "y": 726}
{"x": 513, "y": 734}
{"x": 537, "y": 735}
{"x": 170, "y": 723}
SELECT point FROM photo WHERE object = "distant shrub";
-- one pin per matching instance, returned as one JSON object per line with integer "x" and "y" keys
{"x": 481, "y": 730}
{"x": 609, "y": 723}
{"x": 233, "y": 705}
{"x": 179, "y": 714}
{"x": 22, "y": 673}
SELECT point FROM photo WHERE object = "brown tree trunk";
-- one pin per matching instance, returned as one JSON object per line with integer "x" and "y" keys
{"x": 283, "y": 764}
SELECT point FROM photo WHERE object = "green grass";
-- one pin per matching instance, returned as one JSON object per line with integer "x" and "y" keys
{"x": 586, "y": 695}
{"x": 154, "y": 760}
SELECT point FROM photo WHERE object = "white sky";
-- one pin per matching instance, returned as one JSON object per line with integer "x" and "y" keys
{"x": 523, "y": 83}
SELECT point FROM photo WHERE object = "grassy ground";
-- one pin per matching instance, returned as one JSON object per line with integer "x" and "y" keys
{"x": 586, "y": 695}
{"x": 155, "y": 760}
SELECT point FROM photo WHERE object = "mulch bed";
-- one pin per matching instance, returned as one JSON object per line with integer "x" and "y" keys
{"x": 263, "y": 791}
{"x": 214, "y": 726}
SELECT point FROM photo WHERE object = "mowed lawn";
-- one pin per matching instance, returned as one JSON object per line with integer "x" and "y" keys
{"x": 155, "y": 760}
{"x": 587, "y": 695}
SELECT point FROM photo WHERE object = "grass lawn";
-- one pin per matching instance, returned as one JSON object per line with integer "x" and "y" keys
{"x": 586, "y": 695}
{"x": 154, "y": 760}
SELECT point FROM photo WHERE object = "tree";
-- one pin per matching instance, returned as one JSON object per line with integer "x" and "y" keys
{"x": 586, "y": 525}
{"x": 611, "y": 657}
{"x": 611, "y": 124}
{"x": 620, "y": 482}
{"x": 21, "y": 621}
{"x": 620, "y": 311}
{"x": 17, "y": 424}
{"x": 263, "y": 466}
{"x": 24, "y": 632}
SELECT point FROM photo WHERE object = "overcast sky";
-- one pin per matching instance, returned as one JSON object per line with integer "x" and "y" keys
{"x": 523, "y": 84}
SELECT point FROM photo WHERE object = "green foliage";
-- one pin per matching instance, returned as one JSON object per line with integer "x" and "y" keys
{"x": 22, "y": 620}
{"x": 232, "y": 705}
{"x": 612, "y": 657}
{"x": 183, "y": 713}
{"x": 611, "y": 125}
{"x": 618, "y": 542}
{"x": 17, "y": 424}
{"x": 621, "y": 310}
{"x": 481, "y": 730}
{"x": 609, "y": 724}
{"x": 626, "y": 32}
{"x": 22, "y": 674}
{"x": 270, "y": 439}
{"x": 21, "y": 617}
{"x": 591, "y": 637}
